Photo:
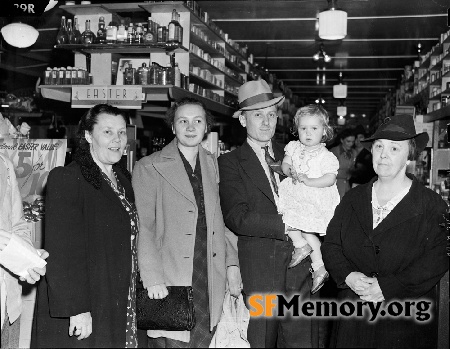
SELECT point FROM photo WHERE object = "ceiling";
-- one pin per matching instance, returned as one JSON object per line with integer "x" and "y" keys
{"x": 382, "y": 37}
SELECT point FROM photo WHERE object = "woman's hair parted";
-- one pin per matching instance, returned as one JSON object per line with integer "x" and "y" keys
{"x": 170, "y": 114}
{"x": 89, "y": 120}
{"x": 317, "y": 111}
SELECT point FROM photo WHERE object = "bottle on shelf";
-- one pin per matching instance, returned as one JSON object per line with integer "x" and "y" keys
{"x": 162, "y": 34}
{"x": 121, "y": 33}
{"x": 150, "y": 35}
{"x": 179, "y": 29}
{"x": 138, "y": 35}
{"x": 130, "y": 34}
{"x": 111, "y": 34}
{"x": 62, "y": 37}
{"x": 172, "y": 29}
{"x": 76, "y": 30}
{"x": 169, "y": 74}
{"x": 142, "y": 75}
{"x": 70, "y": 32}
{"x": 153, "y": 74}
{"x": 101, "y": 32}
{"x": 88, "y": 37}
{"x": 177, "y": 76}
{"x": 129, "y": 75}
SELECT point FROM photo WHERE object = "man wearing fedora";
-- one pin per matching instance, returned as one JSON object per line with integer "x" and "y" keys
{"x": 249, "y": 193}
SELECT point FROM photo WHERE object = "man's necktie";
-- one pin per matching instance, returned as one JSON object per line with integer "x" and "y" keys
{"x": 271, "y": 162}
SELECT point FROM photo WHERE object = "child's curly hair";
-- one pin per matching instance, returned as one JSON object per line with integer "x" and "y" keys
{"x": 314, "y": 110}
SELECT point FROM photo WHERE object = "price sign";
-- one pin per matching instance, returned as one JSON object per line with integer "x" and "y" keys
{"x": 126, "y": 97}
{"x": 33, "y": 159}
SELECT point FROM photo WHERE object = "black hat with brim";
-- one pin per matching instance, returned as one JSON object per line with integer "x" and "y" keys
{"x": 400, "y": 128}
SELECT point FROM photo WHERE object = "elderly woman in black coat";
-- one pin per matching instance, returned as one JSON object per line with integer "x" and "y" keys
{"x": 87, "y": 298}
{"x": 387, "y": 242}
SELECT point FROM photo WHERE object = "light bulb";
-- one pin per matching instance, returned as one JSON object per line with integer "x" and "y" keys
{"x": 327, "y": 58}
{"x": 316, "y": 56}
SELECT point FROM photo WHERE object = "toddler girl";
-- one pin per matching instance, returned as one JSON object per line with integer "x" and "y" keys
{"x": 309, "y": 197}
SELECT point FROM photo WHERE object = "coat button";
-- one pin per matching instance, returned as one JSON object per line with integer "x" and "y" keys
{"x": 214, "y": 254}
{"x": 373, "y": 274}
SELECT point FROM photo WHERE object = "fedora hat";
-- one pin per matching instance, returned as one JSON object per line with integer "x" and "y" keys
{"x": 255, "y": 95}
{"x": 399, "y": 128}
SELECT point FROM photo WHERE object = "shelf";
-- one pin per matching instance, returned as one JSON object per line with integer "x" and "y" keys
{"x": 435, "y": 98}
{"x": 177, "y": 93}
{"x": 123, "y": 48}
{"x": 231, "y": 93}
{"x": 232, "y": 50}
{"x": 436, "y": 82}
{"x": 234, "y": 66}
{"x": 201, "y": 63}
{"x": 196, "y": 40}
{"x": 80, "y": 10}
{"x": 197, "y": 21}
{"x": 232, "y": 81}
{"x": 165, "y": 7}
{"x": 437, "y": 66}
{"x": 202, "y": 82}
{"x": 439, "y": 114}
{"x": 163, "y": 93}
{"x": 426, "y": 63}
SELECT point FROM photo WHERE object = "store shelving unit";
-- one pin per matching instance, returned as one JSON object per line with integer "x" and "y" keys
{"x": 230, "y": 68}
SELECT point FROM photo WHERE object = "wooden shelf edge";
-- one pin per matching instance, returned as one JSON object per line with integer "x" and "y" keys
{"x": 118, "y": 48}
{"x": 439, "y": 114}
{"x": 63, "y": 93}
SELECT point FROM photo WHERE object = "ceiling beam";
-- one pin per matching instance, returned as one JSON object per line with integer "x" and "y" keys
{"x": 339, "y": 57}
{"x": 315, "y": 18}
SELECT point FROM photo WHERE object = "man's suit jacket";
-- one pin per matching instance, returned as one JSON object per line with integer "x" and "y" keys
{"x": 250, "y": 212}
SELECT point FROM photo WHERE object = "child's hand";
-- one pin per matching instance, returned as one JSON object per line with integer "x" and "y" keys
{"x": 294, "y": 175}
{"x": 302, "y": 178}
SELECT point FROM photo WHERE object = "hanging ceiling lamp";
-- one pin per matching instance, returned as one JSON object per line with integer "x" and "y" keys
{"x": 19, "y": 34}
{"x": 340, "y": 91}
{"x": 321, "y": 54}
{"x": 332, "y": 23}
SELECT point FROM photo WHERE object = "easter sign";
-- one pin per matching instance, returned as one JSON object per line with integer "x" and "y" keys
{"x": 33, "y": 159}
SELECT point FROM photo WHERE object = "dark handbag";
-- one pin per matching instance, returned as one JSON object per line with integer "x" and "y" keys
{"x": 175, "y": 312}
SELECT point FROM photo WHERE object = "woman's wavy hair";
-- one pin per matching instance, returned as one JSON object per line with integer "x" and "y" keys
{"x": 170, "y": 114}
{"x": 90, "y": 119}
{"x": 317, "y": 111}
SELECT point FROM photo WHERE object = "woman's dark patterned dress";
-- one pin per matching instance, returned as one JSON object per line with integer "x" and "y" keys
{"x": 131, "y": 332}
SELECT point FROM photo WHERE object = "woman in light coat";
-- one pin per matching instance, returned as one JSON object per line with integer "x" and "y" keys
{"x": 12, "y": 223}
{"x": 182, "y": 239}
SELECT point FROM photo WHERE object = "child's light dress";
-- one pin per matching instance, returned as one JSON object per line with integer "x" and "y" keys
{"x": 309, "y": 209}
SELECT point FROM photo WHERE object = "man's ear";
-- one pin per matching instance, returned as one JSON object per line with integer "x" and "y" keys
{"x": 88, "y": 137}
{"x": 243, "y": 120}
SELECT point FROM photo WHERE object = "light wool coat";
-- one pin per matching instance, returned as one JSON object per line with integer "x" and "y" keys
{"x": 168, "y": 217}
{"x": 11, "y": 220}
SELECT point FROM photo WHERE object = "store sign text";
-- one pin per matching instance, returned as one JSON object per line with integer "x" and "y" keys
{"x": 121, "y": 97}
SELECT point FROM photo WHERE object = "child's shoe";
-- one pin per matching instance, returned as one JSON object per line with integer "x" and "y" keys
{"x": 299, "y": 254}
{"x": 319, "y": 277}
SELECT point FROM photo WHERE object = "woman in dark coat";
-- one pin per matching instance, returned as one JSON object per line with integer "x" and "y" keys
{"x": 387, "y": 242}
{"x": 88, "y": 296}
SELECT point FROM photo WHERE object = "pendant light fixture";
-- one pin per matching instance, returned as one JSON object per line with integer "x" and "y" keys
{"x": 19, "y": 34}
{"x": 321, "y": 54}
{"x": 340, "y": 90}
{"x": 332, "y": 23}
